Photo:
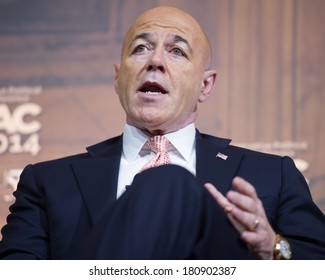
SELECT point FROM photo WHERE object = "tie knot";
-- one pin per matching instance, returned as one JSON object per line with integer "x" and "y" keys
{"x": 158, "y": 144}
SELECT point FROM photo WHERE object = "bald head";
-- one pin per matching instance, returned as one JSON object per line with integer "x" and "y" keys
{"x": 170, "y": 17}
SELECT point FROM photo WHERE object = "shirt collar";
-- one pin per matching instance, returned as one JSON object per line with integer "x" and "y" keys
{"x": 134, "y": 139}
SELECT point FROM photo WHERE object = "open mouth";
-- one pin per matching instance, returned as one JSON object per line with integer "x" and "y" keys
{"x": 152, "y": 88}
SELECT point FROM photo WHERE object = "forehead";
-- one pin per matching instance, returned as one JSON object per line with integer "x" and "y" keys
{"x": 166, "y": 21}
{"x": 162, "y": 29}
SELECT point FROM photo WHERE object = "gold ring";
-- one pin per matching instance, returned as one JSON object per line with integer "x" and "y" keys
{"x": 256, "y": 223}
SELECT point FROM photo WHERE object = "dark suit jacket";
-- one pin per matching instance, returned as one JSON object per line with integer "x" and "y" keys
{"x": 58, "y": 200}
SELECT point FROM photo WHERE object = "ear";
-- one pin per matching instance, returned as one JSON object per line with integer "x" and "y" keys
{"x": 208, "y": 83}
{"x": 116, "y": 68}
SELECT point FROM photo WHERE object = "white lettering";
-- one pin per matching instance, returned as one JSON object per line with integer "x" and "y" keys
{"x": 15, "y": 122}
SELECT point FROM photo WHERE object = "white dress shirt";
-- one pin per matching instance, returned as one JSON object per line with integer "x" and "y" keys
{"x": 135, "y": 154}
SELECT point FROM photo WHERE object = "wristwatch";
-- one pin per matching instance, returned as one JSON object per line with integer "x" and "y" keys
{"x": 282, "y": 249}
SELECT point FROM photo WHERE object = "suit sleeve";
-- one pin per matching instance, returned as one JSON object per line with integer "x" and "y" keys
{"x": 26, "y": 234}
{"x": 298, "y": 218}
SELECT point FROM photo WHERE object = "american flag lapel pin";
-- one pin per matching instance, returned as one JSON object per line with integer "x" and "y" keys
{"x": 222, "y": 156}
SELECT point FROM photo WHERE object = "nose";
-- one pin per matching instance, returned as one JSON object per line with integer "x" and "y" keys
{"x": 157, "y": 61}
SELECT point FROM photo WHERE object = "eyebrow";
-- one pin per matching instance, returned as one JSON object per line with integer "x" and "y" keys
{"x": 144, "y": 36}
{"x": 178, "y": 38}
{"x": 175, "y": 38}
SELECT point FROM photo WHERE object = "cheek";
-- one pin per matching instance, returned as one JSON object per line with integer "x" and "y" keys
{"x": 190, "y": 90}
{"x": 127, "y": 78}
{"x": 123, "y": 82}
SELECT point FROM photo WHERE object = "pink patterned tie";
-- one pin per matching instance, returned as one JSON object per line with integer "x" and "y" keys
{"x": 158, "y": 144}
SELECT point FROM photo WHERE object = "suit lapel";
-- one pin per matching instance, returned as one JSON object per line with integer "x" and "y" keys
{"x": 211, "y": 168}
{"x": 98, "y": 175}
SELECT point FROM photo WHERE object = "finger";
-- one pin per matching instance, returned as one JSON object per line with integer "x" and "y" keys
{"x": 244, "y": 187}
{"x": 238, "y": 226}
{"x": 242, "y": 201}
{"x": 225, "y": 204}
{"x": 249, "y": 221}
{"x": 220, "y": 199}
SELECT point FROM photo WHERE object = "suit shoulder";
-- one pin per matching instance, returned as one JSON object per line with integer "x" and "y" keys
{"x": 62, "y": 160}
{"x": 257, "y": 160}
{"x": 253, "y": 153}
{"x": 224, "y": 142}
{"x": 103, "y": 148}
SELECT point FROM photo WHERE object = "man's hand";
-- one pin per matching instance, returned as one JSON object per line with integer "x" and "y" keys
{"x": 245, "y": 210}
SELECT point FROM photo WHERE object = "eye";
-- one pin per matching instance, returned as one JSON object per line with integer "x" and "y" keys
{"x": 178, "y": 52}
{"x": 139, "y": 49}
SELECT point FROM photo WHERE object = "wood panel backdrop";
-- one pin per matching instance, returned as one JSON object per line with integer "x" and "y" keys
{"x": 56, "y": 79}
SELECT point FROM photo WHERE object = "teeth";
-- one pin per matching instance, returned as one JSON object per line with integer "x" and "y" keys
{"x": 153, "y": 92}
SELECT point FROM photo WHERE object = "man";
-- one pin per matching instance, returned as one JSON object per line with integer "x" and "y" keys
{"x": 111, "y": 203}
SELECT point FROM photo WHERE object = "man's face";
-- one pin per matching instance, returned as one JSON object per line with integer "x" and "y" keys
{"x": 162, "y": 74}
